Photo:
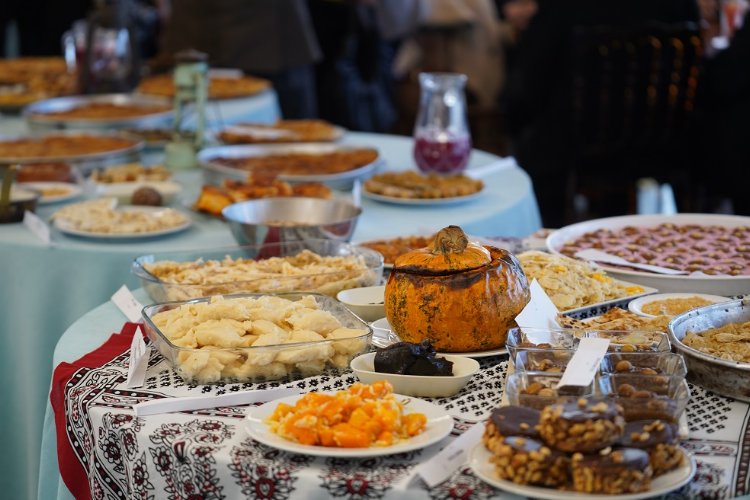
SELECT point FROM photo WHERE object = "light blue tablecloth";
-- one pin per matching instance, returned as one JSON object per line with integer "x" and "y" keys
{"x": 46, "y": 289}
{"x": 43, "y": 290}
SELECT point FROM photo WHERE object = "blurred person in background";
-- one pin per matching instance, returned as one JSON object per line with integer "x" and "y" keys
{"x": 273, "y": 39}
{"x": 724, "y": 128}
{"x": 536, "y": 98}
{"x": 40, "y": 24}
{"x": 359, "y": 40}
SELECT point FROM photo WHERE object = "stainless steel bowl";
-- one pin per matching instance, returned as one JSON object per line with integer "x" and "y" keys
{"x": 722, "y": 376}
{"x": 278, "y": 220}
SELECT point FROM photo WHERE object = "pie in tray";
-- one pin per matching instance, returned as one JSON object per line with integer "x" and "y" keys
{"x": 62, "y": 146}
{"x": 414, "y": 185}
{"x": 219, "y": 87}
{"x": 302, "y": 163}
{"x": 104, "y": 111}
{"x": 28, "y": 79}
{"x": 279, "y": 132}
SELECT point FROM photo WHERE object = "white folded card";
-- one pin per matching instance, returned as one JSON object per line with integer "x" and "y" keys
{"x": 168, "y": 405}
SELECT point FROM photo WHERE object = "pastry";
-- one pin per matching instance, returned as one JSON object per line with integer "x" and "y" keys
{"x": 414, "y": 185}
{"x": 507, "y": 421}
{"x": 659, "y": 439}
{"x": 527, "y": 461}
{"x": 280, "y": 132}
{"x": 625, "y": 470}
{"x": 581, "y": 425}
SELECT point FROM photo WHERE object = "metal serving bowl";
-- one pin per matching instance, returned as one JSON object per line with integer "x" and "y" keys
{"x": 278, "y": 220}
{"x": 722, "y": 376}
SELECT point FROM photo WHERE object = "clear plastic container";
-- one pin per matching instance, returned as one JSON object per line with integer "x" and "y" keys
{"x": 220, "y": 282}
{"x": 261, "y": 363}
{"x": 538, "y": 389}
{"x": 632, "y": 341}
{"x": 540, "y": 339}
{"x": 548, "y": 361}
{"x": 643, "y": 363}
{"x": 647, "y": 396}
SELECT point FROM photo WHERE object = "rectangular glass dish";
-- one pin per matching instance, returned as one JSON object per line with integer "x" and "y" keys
{"x": 256, "y": 337}
{"x": 175, "y": 276}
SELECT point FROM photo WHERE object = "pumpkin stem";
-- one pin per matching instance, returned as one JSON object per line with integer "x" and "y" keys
{"x": 451, "y": 239}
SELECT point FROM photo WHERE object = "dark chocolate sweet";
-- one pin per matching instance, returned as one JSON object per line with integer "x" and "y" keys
{"x": 613, "y": 472}
{"x": 527, "y": 461}
{"x": 657, "y": 438}
{"x": 516, "y": 421}
{"x": 581, "y": 425}
{"x": 404, "y": 358}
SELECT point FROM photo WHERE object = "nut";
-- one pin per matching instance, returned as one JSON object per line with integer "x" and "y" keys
{"x": 623, "y": 366}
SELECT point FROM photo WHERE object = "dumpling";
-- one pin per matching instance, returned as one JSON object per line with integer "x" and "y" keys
{"x": 219, "y": 333}
{"x": 318, "y": 321}
{"x": 265, "y": 327}
{"x": 306, "y": 353}
{"x": 348, "y": 346}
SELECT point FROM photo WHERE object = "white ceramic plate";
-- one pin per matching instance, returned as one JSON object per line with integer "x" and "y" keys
{"x": 421, "y": 201}
{"x": 383, "y": 336}
{"x": 479, "y": 461}
{"x": 422, "y": 386}
{"x": 646, "y": 291}
{"x": 439, "y": 425}
{"x": 716, "y": 285}
{"x": 71, "y": 191}
{"x": 636, "y": 306}
{"x": 64, "y": 226}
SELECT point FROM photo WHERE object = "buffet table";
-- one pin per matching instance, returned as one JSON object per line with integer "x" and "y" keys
{"x": 126, "y": 456}
{"x": 46, "y": 288}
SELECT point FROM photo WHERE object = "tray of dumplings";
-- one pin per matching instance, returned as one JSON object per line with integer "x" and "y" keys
{"x": 256, "y": 337}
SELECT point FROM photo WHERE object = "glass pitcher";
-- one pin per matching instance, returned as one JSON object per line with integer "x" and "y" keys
{"x": 442, "y": 143}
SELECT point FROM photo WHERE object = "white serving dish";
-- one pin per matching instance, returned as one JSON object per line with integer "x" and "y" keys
{"x": 68, "y": 191}
{"x": 717, "y": 285}
{"x": 366, "y": 302}
{"x": 123, "y": 191}
{"x": 423, "y": 386}
{"x": 636, "y": 306}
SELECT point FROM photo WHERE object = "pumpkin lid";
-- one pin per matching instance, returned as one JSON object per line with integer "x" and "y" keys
{"x": 450, "y": 252}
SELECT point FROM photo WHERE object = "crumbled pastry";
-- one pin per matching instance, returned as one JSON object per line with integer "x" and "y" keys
{"x": 581, "y": 425}
{"x": 101, "y": 217}
{"x": 674, "y": 306}
{"x": 305, "y": 271}
{"x": 215, "y": 337}
{"x": 731, "y": 341}
{"x": 62, "y": 146}
{"x": 625, "y": 470}
{"x": 395, "y": 247}
{"x": 570, "y": 283}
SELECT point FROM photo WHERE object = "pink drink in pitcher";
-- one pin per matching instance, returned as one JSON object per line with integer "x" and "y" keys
{"x": 442, "y": 153}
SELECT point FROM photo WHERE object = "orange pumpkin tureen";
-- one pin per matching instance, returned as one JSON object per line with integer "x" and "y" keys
{"x": 462, "y": 296}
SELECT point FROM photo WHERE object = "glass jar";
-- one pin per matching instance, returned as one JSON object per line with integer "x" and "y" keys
{"x": 442, "y": 143}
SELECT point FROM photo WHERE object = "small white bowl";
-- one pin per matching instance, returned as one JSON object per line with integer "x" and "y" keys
{"x": 636, "y": 305}
{"x": 418, "y": 385}
{"x": 366, "y": 302}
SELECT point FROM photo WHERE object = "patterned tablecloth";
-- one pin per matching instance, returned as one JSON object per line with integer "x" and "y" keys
{"x": 106, "y": 452}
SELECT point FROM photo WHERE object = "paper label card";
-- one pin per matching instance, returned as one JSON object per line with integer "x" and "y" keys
{"x": 442, "y": 466}
{"x": 540, "y": 312}
{"x": 584, "y": 364}
{"x": 139, "y": 355}
{"x": 37, "y": 226}
{"x": 128, "y": 304}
